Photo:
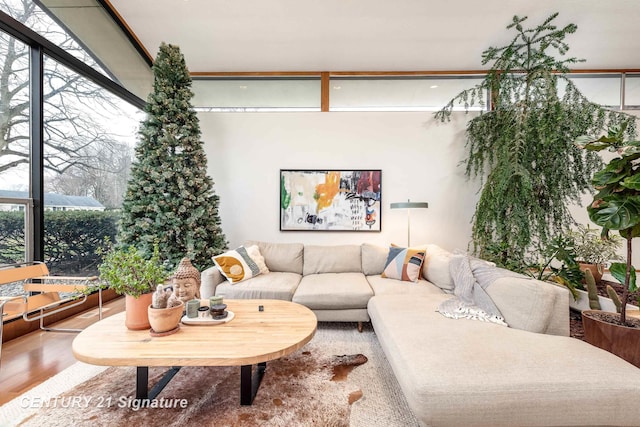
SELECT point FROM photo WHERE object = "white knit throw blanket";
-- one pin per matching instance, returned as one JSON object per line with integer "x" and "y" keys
{"x": 471, "y": 277}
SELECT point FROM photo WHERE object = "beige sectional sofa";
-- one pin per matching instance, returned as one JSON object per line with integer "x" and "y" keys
{"x": 454, "y": 372}
{"x": 327, "y": 279}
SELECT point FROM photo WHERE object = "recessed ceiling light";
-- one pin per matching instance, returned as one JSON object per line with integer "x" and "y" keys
{"x": 337, "y": 87}
{"x": 242, "y": 87}
{"x": 433, "y": 87}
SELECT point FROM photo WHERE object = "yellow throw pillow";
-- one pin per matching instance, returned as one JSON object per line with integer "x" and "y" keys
{"x": 241, "y": 264}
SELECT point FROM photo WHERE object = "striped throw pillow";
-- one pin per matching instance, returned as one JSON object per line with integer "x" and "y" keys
{"x": 404, "y": 264}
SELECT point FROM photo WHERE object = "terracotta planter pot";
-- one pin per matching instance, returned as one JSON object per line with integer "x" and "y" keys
{"x": 136, "y": 314}
{"x": 165, "y": 319}
{"x": 622, "y": 341}
{"x": 596, "y": 270}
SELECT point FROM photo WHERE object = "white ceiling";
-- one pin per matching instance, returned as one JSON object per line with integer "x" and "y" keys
{"x": 372, "y": 35}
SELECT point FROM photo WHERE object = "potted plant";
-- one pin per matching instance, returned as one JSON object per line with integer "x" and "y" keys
{"x": 128, "y": 273}
{"x": 165, "y": 311}
{"x": 522, "y": 147}
{"x": 616, "y": 206}
{"x": 559, "y": 251}
{"x": 593, "y": 251}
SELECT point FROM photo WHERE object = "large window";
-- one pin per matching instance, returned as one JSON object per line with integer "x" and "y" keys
{"x": 428, "y": 93}
{"x": 410, "y": 92}
{"x": 14, "y": 116}
{"x": 632, "y": 91}
{"x": 64, "y": 162}
{"x": 89, "y": 138}
{"x": 603, "y": 89}
{"x": 15, "y": 224}
{"x": 260, "y": 94}
{"x": 35, "y": 18}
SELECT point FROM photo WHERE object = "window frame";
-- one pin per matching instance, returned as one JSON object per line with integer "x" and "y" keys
{"x": 38, "y": 48}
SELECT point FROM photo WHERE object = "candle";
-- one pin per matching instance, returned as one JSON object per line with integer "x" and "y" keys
{"x": 192, "y": 308}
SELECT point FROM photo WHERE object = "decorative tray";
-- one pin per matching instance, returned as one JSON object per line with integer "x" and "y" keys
{"x": 203, "y": 321}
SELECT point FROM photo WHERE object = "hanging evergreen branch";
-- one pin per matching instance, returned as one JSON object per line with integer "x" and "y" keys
{"x": 170, "y": 199}
{"x": 522, "y": 149}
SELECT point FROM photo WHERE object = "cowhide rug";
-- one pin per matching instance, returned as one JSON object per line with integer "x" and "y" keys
{"x": 303, "y": 389}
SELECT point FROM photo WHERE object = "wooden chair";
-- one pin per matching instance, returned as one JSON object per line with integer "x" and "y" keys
{"x": 42, "y": 298}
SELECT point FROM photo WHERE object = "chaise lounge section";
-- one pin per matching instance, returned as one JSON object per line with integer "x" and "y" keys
{"x": 472, "y": 373}
{"x": 454, "y": 372}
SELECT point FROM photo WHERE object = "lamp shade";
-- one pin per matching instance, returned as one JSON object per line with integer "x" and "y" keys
{"x": 409, "y": 205}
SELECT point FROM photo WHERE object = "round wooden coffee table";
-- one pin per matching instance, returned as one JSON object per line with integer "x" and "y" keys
{"x": 253, "y": 337}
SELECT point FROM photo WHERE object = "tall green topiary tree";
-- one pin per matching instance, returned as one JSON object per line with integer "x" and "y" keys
{"x": 523, "y": 147}
{"x": 170, "y": 199}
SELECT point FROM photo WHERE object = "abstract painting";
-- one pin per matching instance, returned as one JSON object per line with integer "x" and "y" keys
{"x": 330, "y": 200}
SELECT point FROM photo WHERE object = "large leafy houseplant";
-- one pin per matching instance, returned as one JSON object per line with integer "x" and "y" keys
{"x": 616, "y": 205}
{"x": 561, "y": 250}
{"x": 522, "y": 148}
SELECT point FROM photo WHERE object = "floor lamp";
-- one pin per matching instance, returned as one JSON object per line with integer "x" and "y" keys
{"x": 408, "y": 205}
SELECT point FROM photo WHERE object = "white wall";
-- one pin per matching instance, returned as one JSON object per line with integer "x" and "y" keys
{"x": 418, "y": 156}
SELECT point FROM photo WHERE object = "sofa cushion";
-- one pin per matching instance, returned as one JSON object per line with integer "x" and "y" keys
{"x": 210, "y": 278}
{"x": 333, "y": 291}
{"x": 530, "y": 304}
{"x": 457, "y": 372}
{"x": 274, "y": 285}
{"x": 332, "y": 259}
{"x": 384, "y": 286}
{"x": 282, "y": 257}
{"x": 403, "y": 264}
{"x": 435, "y": 267}
{"x": 374, "y": 258}
{"x": 240, "y": 264}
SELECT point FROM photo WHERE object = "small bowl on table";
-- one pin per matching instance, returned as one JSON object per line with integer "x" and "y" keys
{"x": 219, "y": 311}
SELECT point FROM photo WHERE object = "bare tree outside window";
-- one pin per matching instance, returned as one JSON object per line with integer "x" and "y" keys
{"x": 89, "y": 136}
{"x": 89, "y": 133}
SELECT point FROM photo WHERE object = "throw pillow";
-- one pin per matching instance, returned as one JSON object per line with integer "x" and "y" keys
{"x": 254, "y": 253}
{"x": 436, "y": 268}
{"x": 238, "y": 265}
{"x": 404, "y": 264}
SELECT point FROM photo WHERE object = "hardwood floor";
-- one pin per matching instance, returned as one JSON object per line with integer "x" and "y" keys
{"x": 33, "y": 358}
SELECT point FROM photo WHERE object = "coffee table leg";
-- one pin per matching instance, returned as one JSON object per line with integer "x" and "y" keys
{"x": 249, "y": 384}
{"x": 142, "y": 382}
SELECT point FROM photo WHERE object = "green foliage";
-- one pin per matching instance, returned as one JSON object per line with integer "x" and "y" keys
{"x": 614, "y": 298}
{"x": 619, "y": 272}
{"x": 523, "y": 148}
{"x": 616, "y": 205}
{"x": 170, "y": 199}
{"x": 560, "y": 249}
{"x": 592, "y": 290}
{"x": 71, "y": 239}
{"x": 12, "y": 240}
{"x": 128, "y": 271}
{"x": 499, "y": 253}
{"x": 592, "y": 248}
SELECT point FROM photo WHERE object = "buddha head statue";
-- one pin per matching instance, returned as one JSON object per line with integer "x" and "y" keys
{"x": 186, "y": 281}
